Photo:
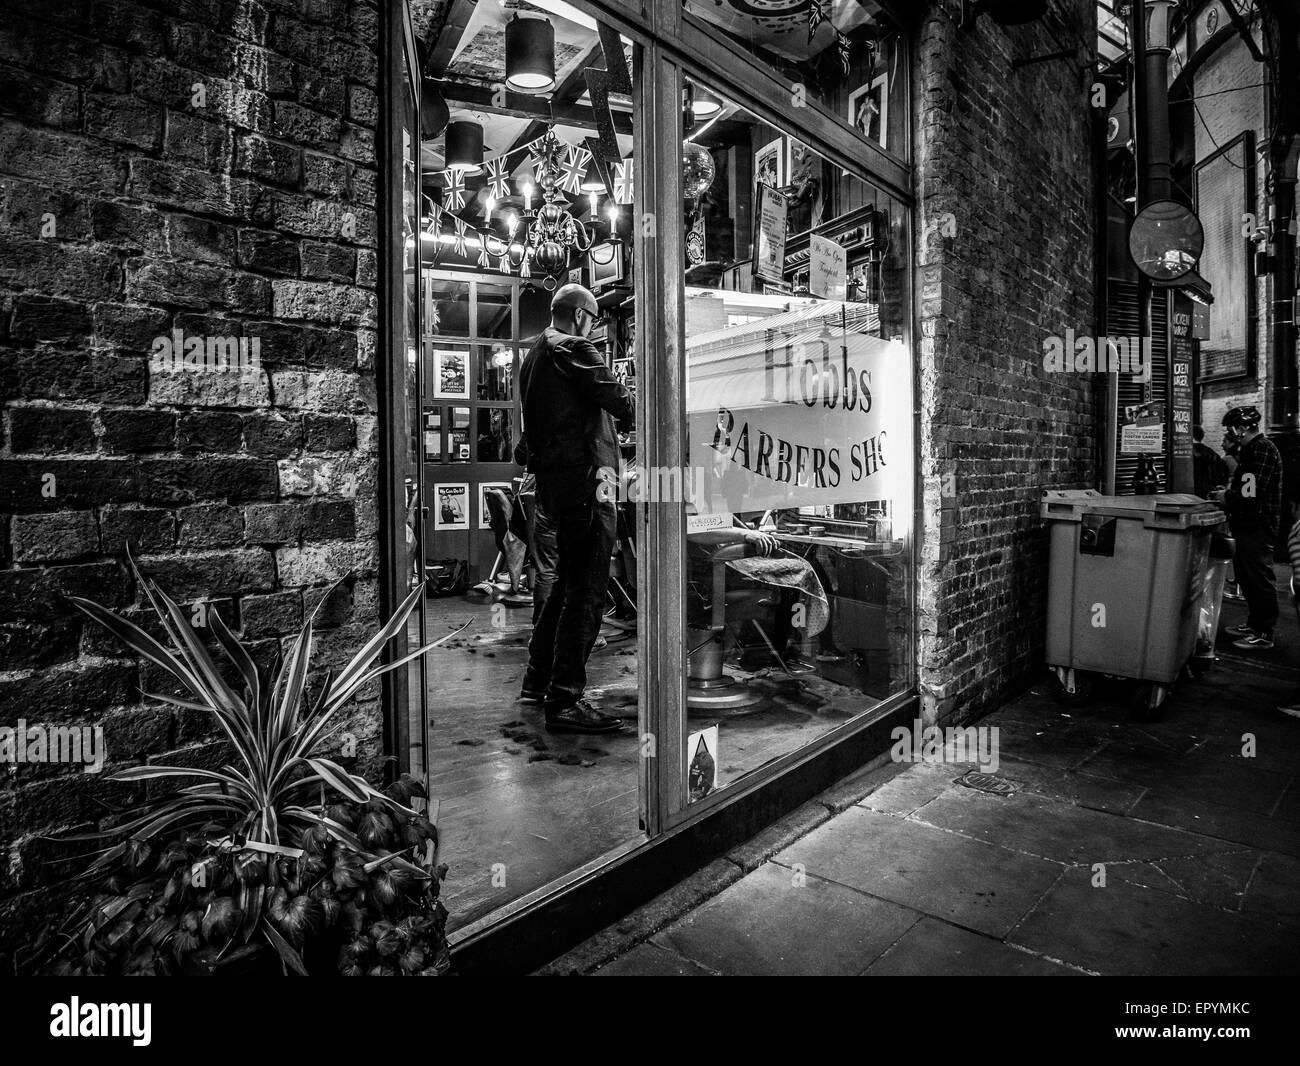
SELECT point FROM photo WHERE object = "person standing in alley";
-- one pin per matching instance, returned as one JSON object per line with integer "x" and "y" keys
{"x": 1210, "y": 472}
{"x": 571, "y": 404}
{"x": 1253, "y": 502}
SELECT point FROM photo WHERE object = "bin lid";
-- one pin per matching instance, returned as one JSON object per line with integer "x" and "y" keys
{"x": 1179, "y": 510}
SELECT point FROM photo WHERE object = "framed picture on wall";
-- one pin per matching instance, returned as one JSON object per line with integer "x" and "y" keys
{"x": 484, "y": 515}
{"x": 869, "y": 110}
{"x": 451, "y": 507}
{"x": 769, "y": 164}
{"x": 1225, "y": 190}
{"x": 450, "y": 374}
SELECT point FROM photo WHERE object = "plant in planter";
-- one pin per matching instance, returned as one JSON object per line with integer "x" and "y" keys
{"x": 281, "y": 856}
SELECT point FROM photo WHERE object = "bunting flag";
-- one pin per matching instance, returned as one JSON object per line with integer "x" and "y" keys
{"x": 572, "y": 168}
{"x": 455, "y": 195}
{"x": 843, "y": 45}
{"x": 524, "y": 270}
{"x": 623, "y": 190}
{"x": 816, "y": 16}
{"x": 498, "y": 181}
{"x": 461, "y": 234}
{"x": 483, "y": 252}
{"x": 505, "y": 263}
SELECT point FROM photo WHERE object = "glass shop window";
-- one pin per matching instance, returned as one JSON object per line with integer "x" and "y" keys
{"x": 799, "y": 483}
{"x": 848, "y": 55}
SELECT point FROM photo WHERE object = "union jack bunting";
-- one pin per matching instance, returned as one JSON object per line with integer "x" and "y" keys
{"x": 455, "y": 194}
{"x": 623, "y": 190}
{"x": 461, "y": 233}
{"x": 816, "y": 16}
{"x": 498, "y": 180}
{"x": 843, "y": 45}
{"x": 573, "y": 167}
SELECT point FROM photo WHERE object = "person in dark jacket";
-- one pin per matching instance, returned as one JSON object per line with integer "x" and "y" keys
{"x": 1209, "y": 471}
{"x": 1253, "y": 502}
{"x": 572, "y": 406}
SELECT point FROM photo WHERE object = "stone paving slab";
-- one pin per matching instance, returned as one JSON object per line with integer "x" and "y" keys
{"x": 775, "y": 922}
{"x": 1129, "y": 930}
{"x": 932, "y": 946}
{"x": 968, "y": 882}
{"x": 650, "y": 960}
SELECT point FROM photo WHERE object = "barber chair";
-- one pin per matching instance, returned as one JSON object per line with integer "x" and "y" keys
{"x": 708, "y": 686}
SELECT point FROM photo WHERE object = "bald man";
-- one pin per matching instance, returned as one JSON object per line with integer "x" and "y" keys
{"x": 571, "y": 406}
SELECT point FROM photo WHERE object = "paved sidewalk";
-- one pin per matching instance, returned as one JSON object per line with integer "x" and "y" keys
{"x": 905, "y": 871}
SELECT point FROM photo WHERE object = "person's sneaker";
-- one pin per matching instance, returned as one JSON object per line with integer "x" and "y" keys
{"x": 581, "y": 717}
{"x": 1291, "y": 707}
{"x": 530, "y": 695}
{"x": 1254, "y": 642}
{"x": 1242, "y": 630}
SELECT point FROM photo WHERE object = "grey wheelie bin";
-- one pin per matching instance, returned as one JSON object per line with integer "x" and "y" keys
{"x": 1125, "y": 588}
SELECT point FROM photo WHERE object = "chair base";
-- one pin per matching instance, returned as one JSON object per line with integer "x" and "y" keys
{"x": 719, "y": 693}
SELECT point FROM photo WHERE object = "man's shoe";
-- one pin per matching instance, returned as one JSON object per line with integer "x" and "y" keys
{"x": 1291, "y": 707}
{"x": 581, "y": 717}
{"x": 1242, "y": 630}
{"x": 1254, "y": 642}
{"x": 529, "y": 695}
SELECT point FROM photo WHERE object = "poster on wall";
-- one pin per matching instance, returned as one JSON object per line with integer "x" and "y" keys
{"x": 770, "y": 215}
{"x": 769, "y": 164}
{"x": 869, "y": 110}
{"x": 484, "y": 487}
{"x": 702, "y": 762}
{"x": 1142, "y": 430}
{"x": 828, "y": 268}
{"x": 451, "y": 509}
{"x": 1225, "y": 184}
{"x": 451, "y": 374}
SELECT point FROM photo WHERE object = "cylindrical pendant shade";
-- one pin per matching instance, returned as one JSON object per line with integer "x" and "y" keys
{"x": 530, "y": 55}
{"x": 591, "y": 179}
{"x": 465, "y": 147}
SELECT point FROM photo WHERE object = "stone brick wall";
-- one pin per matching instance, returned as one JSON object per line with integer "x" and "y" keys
{"x": 207, "y": 167}
{"x": 1006, "y": 153}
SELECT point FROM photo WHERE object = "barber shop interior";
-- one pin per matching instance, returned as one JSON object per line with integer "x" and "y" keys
{"x": 749, "y": 290}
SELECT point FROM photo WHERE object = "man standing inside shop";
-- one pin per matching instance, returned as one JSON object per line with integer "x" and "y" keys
{"x": 1253, "y": 502}
{"x": 571, "y": 405}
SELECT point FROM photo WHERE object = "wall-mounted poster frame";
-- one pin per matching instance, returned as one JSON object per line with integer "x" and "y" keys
{"x": 771, "y": 210}
{"x": 869, "y": 110}
{"x": 770, "y": 164}
{"x": 451, "y": 374}
{"x": 1225, "y": 191}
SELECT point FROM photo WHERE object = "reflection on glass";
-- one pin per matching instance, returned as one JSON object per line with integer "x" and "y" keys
{"x": 495, "y": 439}
{"x": 446, "y": 311}
{"x": 494, "y": 312}
{"x": 798, "y": 488}
{"x": 458, "y": 439}
{"x": 496, "y": 373}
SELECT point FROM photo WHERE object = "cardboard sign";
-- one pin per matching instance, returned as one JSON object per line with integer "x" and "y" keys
{"x": 828, "y": 268}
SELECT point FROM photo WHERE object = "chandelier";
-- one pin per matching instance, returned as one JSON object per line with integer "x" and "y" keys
{"x": 552, "y": 232}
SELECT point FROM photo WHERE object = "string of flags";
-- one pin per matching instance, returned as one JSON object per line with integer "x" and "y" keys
{"x": 573, "y": 163}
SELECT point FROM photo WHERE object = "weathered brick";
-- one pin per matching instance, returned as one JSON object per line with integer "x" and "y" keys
{"x": 66, "y": 691}
{"x": 329, "y": 433}
{"x": 209, "y": 387}
{"x": 50, "y": 374}
{"x": 199, "y": 575}
{"x": 273, "y": 523}
{"x": 142, "y": 529}
{"x": 329, "y": 520}
{"x": 328, "y": 262}
{"x": 38, "y": 484}
{"x": 49, "y": 431}
{"x": 36, "y": 154}
{"x": 180, "y": 481}
{"x": 316, "y": 564}
{"x": 189, "y": 189}
{"x": 59, "y": 270}
{"x": 39, "y": 318}
{"x": 316, "y": 476}
{"x": 270, "y": 161}
{"x": 209, "y": 525}
{"x": 272, "y": 436}
{"x": 130, "y": 326}
{"x": 62, "y": 535}
{"x": 201, "y": 239}
{"x": 271, "y": 615}
{"x": 125, "y": 120}
{"x": 130, "y": 228}
{"x": 324, "y": 174}
{"x": 284, "y": 343}
{"x": 324, "y": 390}
{"x": 268, "y": 252}
{"x": 134, "y": 432}
{"x": 209, "y": 431}
{"x": 36, "y": 99}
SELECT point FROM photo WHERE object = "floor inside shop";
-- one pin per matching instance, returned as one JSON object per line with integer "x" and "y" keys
{"x": 519, "y": 807}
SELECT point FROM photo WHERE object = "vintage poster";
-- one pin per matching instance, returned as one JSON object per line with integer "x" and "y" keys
{"x": 451, "y": 507}
{"x": 770, "y": 214}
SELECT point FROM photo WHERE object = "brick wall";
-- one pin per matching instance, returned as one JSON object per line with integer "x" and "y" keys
{"x": 207, "y": 167}
{"x": 1005, "y": 152}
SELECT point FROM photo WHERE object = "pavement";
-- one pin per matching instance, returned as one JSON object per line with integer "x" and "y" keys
{"x": 1109, "y": 846}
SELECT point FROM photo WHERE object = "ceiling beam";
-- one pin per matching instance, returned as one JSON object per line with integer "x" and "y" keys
{"x": 523, "y": 105}
{"x": 453, "y": 29}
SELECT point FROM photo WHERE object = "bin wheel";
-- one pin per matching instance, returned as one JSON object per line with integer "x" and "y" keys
{"x": 1147, "y": 702}
{"x": 1082, "y": 689}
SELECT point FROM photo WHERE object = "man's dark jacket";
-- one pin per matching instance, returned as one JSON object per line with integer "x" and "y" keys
{"x": 1256, "y": 506}
{"x": 571, "y": 403}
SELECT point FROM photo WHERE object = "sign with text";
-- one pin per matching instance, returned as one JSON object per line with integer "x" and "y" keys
{"x": 828, "y": 268}
{"x": 799, "y": 409}
{"x": 770, "y": 216}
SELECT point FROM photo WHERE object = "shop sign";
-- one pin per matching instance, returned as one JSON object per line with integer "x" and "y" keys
{"x": 828, "y": 268}
{"x": 799, "y": 410}
{"x": 769, "y": 244}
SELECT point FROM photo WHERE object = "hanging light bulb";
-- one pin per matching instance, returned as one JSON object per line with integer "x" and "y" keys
{"x": 530, "y": 55}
